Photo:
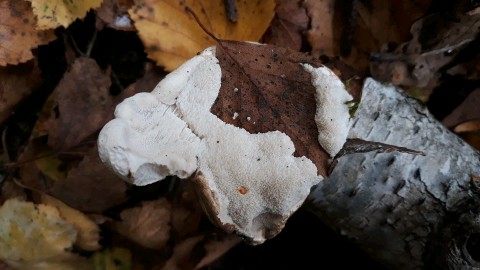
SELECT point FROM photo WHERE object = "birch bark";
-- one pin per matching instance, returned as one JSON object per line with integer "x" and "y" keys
{"x": 406, "y": 211}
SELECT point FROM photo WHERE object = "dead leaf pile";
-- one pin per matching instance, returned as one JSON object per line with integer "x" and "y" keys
{"x": 63, "y": 209}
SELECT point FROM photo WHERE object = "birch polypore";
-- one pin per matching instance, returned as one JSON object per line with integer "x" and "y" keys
{"x": 249, "y": 183}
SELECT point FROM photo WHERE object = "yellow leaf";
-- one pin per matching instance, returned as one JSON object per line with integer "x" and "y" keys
{"x": 18, "y": 35}
{"x": 54, "y": 13}
{"x": 88, "y": 231}
{"x": 171, "y": 35}
{"x": 113, "y": 259}
{"x": 49, "y": 166}
{"x": 36, "y": 237}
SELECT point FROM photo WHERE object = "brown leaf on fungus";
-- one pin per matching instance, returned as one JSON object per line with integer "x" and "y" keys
{"x": 90, "y": 187}
{"x": 171, "y": 36}
{"x": 264, "y": 88}
{"x": 18, "y": 33}
{"x": 16, "y": 83}
{"x": 79, "y": 106}
{"x": 147, "y": 225}
{"x": 288, "y": 25}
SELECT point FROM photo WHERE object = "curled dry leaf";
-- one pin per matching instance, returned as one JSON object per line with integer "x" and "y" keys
{"x": 171, "y": 35}
{"x": 18, "y": 33}
{"x": 37, "y": 237}
{"x": 79, "y": 106}
{"x": 54, "y": 13}
{"x": 147, "y": 225}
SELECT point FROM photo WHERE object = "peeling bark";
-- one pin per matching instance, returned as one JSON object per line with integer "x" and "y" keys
{"x": 407, "y": 211}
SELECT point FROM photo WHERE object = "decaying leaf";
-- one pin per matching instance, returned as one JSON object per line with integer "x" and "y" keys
{"x": 90, "y": 187}
{"x": 79, "y": 106}
{"x": 354, "y": 29}
{"x": 16, "y": 83}
{"x": 18, "y": 33}
{"x": 251, "y": 71}
{"x": 416, "y": 65}
{"x": 147, "y": 225}
{"x": 114, "y": 13}
{"x": 198, "y": 251}
{"x": 37, "y": 237}
{"x": 88, "y": 232}
{"x": 54, "y": 13}
{"x": 215, "y": 248}
{"x": 115, "y": 258}
{"x": 288, "y": 25}
{"x": 171, "y": 35}
{"x": 186, "y": 213}
{"x": 467, "y": 111}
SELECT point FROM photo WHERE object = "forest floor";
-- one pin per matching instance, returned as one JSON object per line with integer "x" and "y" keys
{"x": 63, "y": 73}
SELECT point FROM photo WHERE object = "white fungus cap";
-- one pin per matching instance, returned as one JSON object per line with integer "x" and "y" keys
{"x": 249, "y": 183}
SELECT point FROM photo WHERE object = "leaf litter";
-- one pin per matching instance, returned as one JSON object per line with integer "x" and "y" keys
{"x": 61, "y": 159}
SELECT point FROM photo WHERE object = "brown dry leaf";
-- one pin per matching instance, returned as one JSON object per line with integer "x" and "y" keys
{"x": 288, "y": 25}
{"x": 171, "y": 35}
{"x": 78, "y": 107}
{"x": 186, "y": 212}
{"x": 17, "y": 83}
{"x": 322, "y": 35}
{"x": 354, "y": 29}
{"x": 5, "y": 266}
{"x": 37, "y": 237}
{"x": 18, "y": 33}
{"x": 114, "y": 13}
{"x": 147, "y": 225}
{"x": 470, "y": 132}
{"x": 217, "y": 247}
{"x": 10, "y": 190}
{"x": 54, "y": 13}
{"x": 199, "y": 251}
{"x": 417, "y": 65}
{"x": 274, "y": 92}
{"x": 185, "y": 254}
{"x": 90, "y": 187}
{"x": 467, "y": 111}
{"x": 88, "y": 232}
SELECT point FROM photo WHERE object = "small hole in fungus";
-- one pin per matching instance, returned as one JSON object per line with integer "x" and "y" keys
{"x": 242, "y": 190}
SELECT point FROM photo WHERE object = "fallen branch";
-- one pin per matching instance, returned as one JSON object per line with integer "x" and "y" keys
{"x": 407, "y": 211}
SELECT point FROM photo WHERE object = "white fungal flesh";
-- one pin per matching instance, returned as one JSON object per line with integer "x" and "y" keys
{"x": 332, "y": 115}
{"x": 171, "y": 131}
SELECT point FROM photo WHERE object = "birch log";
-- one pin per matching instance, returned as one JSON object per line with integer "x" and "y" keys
{"x": 406, "y": 211}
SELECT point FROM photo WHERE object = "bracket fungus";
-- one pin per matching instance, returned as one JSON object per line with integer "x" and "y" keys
{"x": 249, "y": 183}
